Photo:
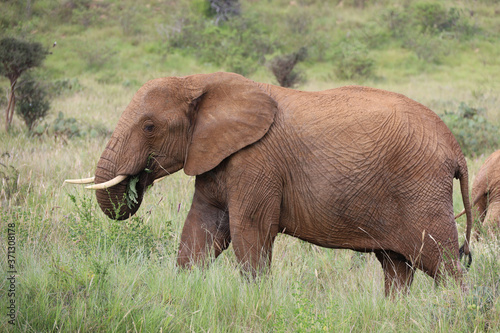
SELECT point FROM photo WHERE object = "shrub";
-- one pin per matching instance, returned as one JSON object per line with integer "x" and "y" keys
{"x": 357, "y": 3}
{"x": 283, "y": 68}
{"x": 66, "y": 128}
{"x": 353, "y": 61}
{"x": 433, "y": 17}
{"x": 428, "y": 18}
{"x": 372, "y": 35}
{"x": 223, "y": 10}
{"x": 472, "y": 130}
{"x": 97, "y": 54}
{"x": 298, "y": 22}
{"x": 426, "y": 27}
{"x": 93, "y": 235}
{"x": 61, "y": 86}
{"x": 129, "y": 21}
{"x": 239, "y": 44}
{"x": 12, "y": 190}
{"x": 32, "y": 105}
{"x": 427, "y": 47}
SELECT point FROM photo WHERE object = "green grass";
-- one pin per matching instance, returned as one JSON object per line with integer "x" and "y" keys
{"x": 310, "y": 289}
{"x": 76, "y": 271}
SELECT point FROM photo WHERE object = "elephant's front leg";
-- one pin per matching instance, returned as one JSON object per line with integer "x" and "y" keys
{"x": 254, "y": 224}
{"x": 206, "y": 228}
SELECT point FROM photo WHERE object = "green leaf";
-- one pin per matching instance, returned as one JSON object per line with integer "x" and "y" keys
{"x": 131, "y": 194}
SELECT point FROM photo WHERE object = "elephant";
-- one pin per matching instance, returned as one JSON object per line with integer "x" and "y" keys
{"x": 347, "y": 168}
{"x": 486, "y": 194}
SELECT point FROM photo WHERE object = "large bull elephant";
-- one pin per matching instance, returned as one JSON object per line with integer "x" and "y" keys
{"x": 350, "y": 168}
{"x": 486, "y": 194}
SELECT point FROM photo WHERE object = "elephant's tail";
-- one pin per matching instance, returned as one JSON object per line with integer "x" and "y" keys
{"x": 463, "y": 176}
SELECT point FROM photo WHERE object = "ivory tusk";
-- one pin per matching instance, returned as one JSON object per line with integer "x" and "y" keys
{"x": 159, "y": 179}
{"x": 109, "y": 183}
{"x": 80, "y": 181}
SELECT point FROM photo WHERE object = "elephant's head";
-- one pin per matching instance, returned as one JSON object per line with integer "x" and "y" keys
{"x": 191, "y": 122}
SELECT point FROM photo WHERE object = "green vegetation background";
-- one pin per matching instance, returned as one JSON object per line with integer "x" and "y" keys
{"x": 79, "y": 271}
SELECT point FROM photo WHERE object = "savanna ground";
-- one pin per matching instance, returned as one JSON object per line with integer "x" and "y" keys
{"x": 76, "y": 270}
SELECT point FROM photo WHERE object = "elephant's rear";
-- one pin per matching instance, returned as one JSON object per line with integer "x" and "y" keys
{"x": 486, "y": 194}
{"x": 487, "y": 180}
{"x": 379, "y": 169}
{"x": 441, "y": 161}
{"x": 417, "y": 157}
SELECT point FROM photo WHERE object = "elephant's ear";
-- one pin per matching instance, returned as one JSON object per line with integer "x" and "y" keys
{"x": 231, "y": 113}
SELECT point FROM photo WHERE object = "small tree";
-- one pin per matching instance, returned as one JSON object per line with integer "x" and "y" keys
{"x": 283, "y": 68}
{"x": 16, "y": 57}
{"x": 32, "y": 105}
{"x": 224, "y": 9}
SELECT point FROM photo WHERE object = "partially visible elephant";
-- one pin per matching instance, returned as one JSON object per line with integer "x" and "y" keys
{"x": 350, "y": 168}
{"x": 486, "y": 194}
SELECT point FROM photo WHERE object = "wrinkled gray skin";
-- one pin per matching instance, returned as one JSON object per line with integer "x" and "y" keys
{"x": 350, "y": 168}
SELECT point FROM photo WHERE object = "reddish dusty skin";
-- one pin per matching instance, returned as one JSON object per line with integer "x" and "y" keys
{"x": 353, "y": 167}
{"x": 486, "y": 193}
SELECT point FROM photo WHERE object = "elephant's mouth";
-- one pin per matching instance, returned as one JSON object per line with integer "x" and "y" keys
{"x": 136, "y": 187}
{"x": 120, "y": 196}
{"x": 123, "y": 199}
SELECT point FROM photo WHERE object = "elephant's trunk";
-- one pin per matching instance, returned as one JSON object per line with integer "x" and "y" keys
{"x": 120, "y": 201}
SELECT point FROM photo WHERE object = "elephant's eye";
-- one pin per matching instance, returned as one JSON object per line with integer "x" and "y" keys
{"x": 149, "y": 128}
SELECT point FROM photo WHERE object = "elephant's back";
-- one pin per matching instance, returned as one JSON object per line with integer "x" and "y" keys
{"x": 359, "y": 124}
{"x": 353, "y": 104}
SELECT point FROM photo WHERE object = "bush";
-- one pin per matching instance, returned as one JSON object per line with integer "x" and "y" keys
{"x": 353, "y": 61}
{"x": 433, "y": 17}
{"x": 62, "y": 86}
{"x": 32, "y": 103}
{"x": 12, "y": 189}
{"x": 426, "y": 27}
{"x": 427, "y": 47}
{"x": 283, "y": 68}
{"x": 97, "y": 54}
{"x": 223, "y": 10}
{"x": 239, "y": 45}
{"x": 66, "y": 128}
{"x": 93, "y": 235}
{"x": 472, "y": 130}
{"x": 429, "y": 18}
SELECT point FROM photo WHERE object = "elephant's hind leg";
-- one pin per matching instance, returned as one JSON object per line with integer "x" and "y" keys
{"x": 479, "y": 213}
{"x": 440, "y": 259}
{"x": 398, "y": 272}
{"x": 491, "y": 222}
